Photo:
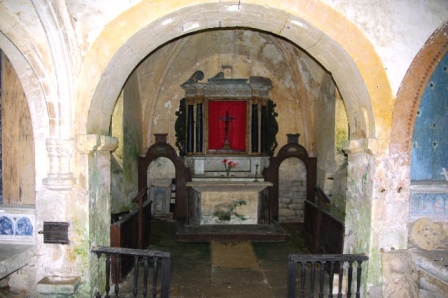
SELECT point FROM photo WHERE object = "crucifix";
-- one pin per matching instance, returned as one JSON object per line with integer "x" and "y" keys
{"x": 227, "y": 120}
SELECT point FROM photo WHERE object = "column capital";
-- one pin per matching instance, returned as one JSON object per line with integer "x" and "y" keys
{"x": 60, "y": 152}
{"x": 91, "y": 142}
{"x": 370, "y": 146}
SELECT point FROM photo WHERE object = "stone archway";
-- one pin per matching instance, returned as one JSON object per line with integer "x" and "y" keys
{"x": 36, "y": 103}
{"x": 363, "y": 84}
{"x": 347, "y": 54}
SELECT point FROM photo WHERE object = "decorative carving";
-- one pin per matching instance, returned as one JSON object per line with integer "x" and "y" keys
{"x": 400, "y": 276}
{"x": 264, "y": 163}
{"x": 192, "y": 131}
{"x": 189, "y": 163}
{"x": 60, "y": 152}
{"x": 272, "y": 129}
{"x": 196, "y": 77}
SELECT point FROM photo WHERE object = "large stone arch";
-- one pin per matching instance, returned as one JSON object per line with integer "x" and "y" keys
{"x": 315, "y": 27}
{"x": 346, "y": 53}
{"x": 36, "y": 103}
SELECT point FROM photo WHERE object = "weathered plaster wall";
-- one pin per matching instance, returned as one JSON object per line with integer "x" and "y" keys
{"x": 127, "y": 128}
{"x": 383, "y": 23}
{"x": 118, "y": 198}
{"x": 367, "y": 46}
{"x": 296, "y": 78}
{"x": 325, "y": 132}
{"x": 132, "y": 132}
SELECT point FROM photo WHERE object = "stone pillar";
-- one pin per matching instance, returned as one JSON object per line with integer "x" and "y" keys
{"x": 358, "y": 209}
{"x": 95, "y": 160}
{"x": 375, "y": 215}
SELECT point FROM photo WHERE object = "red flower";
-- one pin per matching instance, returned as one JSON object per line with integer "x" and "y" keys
{"x": 228, "y": 164}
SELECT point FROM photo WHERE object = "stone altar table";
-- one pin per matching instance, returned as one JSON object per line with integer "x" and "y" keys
{"x": 226, "y": 201}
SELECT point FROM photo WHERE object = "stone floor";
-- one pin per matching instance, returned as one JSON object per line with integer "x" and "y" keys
{"x": 229, "y": 269}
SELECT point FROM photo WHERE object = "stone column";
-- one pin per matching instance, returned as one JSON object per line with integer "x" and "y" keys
{"x": 95, "y": 160}
{"x": 375, "y": 216}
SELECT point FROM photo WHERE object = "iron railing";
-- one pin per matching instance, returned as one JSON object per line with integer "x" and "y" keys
{"x": 143, "y": 257}
{"x": 330, "y": 269}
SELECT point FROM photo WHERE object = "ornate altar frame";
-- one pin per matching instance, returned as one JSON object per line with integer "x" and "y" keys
{"x": 192, "y": 129}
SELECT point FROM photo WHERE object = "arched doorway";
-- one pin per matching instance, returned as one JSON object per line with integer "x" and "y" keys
{"x": 292, "y": 190}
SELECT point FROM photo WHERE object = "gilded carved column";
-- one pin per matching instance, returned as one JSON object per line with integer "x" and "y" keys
{"x": 199, "y": 123}
{"x": 190, "y": 124}
{"x": 264, "y": 123}
{"x": 255, "y": 131}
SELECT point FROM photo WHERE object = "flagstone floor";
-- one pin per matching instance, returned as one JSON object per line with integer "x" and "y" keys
{"x": 225, "y": 269}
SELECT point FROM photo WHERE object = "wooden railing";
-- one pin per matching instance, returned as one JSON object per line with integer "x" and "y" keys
{"x": 139, "y": 256}
{"x": 327, "y": 273}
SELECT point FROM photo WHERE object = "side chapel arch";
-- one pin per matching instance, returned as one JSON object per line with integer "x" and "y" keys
{"x": 411, "y": 91}
{"x": 407, "y": 104}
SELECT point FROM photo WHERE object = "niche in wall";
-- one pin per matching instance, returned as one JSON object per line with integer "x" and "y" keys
{"x": 161, "y": 172}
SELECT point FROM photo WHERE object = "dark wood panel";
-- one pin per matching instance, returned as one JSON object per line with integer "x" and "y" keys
{"x": 132, "y": 231}
{"x": 324, "y": 233}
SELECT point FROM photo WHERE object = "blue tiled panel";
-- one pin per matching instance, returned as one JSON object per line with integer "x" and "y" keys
{"x": 430, "y": 140}
{"x": 428, "y": 204}
{"x": 24, "y": 227}
{"x": 6, "y": 226}
{"x": 16, "y": 228}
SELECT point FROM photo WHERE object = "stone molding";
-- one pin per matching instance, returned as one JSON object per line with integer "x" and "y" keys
{"x": 370, "y": 146}
{"x": 60, "y": 152}
{"x": 88, "y": 143}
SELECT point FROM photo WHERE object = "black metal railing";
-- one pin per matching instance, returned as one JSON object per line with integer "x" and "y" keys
{"x": 334, "y": 272}
{"x": 142, "y": 258}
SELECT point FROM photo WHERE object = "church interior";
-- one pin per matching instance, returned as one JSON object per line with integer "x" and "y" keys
{"x": 229, "y": 121}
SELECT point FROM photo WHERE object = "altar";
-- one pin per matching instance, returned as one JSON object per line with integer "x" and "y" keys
{"x": 226, "y": 132}
{"x": 230, "y": 205}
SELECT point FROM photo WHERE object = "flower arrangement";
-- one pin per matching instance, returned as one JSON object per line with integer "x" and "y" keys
{"x": 228, "y": 165}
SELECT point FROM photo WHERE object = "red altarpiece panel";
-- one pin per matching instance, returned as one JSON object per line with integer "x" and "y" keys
{"x": 227, "y": 125}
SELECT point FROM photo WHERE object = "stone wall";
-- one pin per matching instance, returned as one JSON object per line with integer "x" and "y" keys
{"x": 292, "y": 190}
{"x": 291, "y": 201}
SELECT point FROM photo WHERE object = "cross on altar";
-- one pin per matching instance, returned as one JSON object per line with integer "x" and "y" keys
{"x": 227, "y": 120}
